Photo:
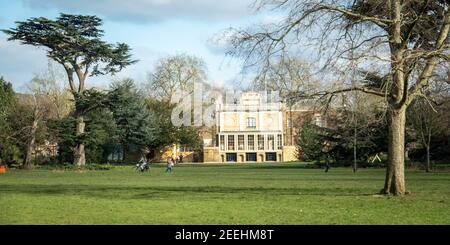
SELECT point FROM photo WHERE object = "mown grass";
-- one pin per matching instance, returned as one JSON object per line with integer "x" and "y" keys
{"x": 220, "y": 194}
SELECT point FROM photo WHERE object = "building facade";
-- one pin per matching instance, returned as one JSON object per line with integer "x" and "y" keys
{"x": 249, "y": 129}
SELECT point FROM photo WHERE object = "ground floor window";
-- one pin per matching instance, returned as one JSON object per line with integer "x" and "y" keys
{"x": 271, "y": 156}
{"x": 250, "y": 157}
{"x": 222, "y": 142}
{"x": 271, "y": 142}
{"x": 251, "y": 142}
{"x": 231, "y": 157}
{"x": 231, "y": 142}
{"x": 241, "y": 142}
{"x": 260, "y": 142}
{"x": 279, "y": 142}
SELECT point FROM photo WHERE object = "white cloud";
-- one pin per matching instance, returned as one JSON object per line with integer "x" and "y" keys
{"x": 149, "y": 10}
{"x": 273, "y": 19}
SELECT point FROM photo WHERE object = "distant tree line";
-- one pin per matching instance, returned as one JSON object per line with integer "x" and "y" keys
{"x": 122, "y": 119}
{"x": 86, "y": 124}
{"x": 362, "y": 133}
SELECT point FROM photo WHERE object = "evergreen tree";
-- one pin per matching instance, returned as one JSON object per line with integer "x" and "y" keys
{"x": 7, "y": 101}
{"x": 134, "y": 121}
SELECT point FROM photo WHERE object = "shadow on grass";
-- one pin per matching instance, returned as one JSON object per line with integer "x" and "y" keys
{"x": 281, "y": 166}
{"x": 161, "y": 192}
{"x": 296, "y": 165}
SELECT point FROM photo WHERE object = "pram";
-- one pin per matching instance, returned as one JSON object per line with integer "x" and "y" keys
{"x": 142, "y": 165}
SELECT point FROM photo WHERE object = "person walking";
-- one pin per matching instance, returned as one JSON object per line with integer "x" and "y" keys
{"x": 170, "y": 164}
{"x": 327, "y": 163}
{"x": 175, "y": 159}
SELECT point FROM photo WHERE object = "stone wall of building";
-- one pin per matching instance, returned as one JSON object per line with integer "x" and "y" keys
{"x": 289, "y": 153}
{"x": 163, "y": 154}
{"x": 211, "y": 154}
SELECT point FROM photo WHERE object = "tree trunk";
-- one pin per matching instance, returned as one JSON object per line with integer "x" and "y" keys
{"x": 355, "y": 165}
{"x": 27, "y": 164}
{"x": 428, "y": 158}
{"x": 124, "y": 153}
{"x": 79, "y": 152}
{"x": 395, "y": 174}
{"x": 291, "y": 132}
{"x": 396, "y": 112}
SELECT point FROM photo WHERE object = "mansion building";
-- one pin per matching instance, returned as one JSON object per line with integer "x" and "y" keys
{"x": 252, "y": 128}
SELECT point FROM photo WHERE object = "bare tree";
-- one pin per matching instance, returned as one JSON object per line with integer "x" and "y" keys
{"x": 175, "y": 72}
{"x": 403, "y": 41}
{"x": 286, "y": 75}
{"x": 359, "y": 113}
{"x": 46, "y": 99}
{"x": 52, "y": 83}
{"x": 427, "y": 116}
{"x": 39, "y": 106}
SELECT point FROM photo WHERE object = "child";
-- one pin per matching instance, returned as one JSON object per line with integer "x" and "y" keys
{"x": 169, "y": 165}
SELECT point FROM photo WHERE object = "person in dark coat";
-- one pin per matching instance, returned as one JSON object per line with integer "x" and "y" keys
{"x": 327, "y": 163}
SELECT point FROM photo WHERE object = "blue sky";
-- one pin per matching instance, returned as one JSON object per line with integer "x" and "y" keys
{"x": 153, "y": 28}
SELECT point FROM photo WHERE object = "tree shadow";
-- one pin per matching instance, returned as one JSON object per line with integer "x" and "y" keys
{"x": 161, "y": 192}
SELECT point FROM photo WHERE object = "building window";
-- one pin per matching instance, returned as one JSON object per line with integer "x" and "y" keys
{"x": 271, "y": 156}
{"x": 288, "y": 123}
{"x": 260, "y": 142}
{"x": 231, "y": 157}
{"x": 271, "y": 141}
{"x": 279, "y": 142}
{"x": 231, "y": 142}
{"x": 185, "y": 148}
{"x": 251, "y": 122}
{"x": 222, "y": 142}
{"x": 250, "y": 142}
{"x": 241, "y": 142}
{"x": 250, "y": 157}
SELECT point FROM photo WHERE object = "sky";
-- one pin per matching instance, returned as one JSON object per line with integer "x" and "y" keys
{"x": 154, "y": 29}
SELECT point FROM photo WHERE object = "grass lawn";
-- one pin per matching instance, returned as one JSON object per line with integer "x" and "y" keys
{"x": 220, "y": 194}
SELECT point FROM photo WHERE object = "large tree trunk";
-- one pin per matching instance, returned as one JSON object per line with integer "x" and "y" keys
{"x": 395, "y": 173}
{"x": 79, "y": 152}
{"x": 27, "y": 163}
{"x": 355, "y": 165}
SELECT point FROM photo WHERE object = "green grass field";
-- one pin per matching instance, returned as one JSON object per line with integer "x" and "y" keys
{"x": 220, "y": 194}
